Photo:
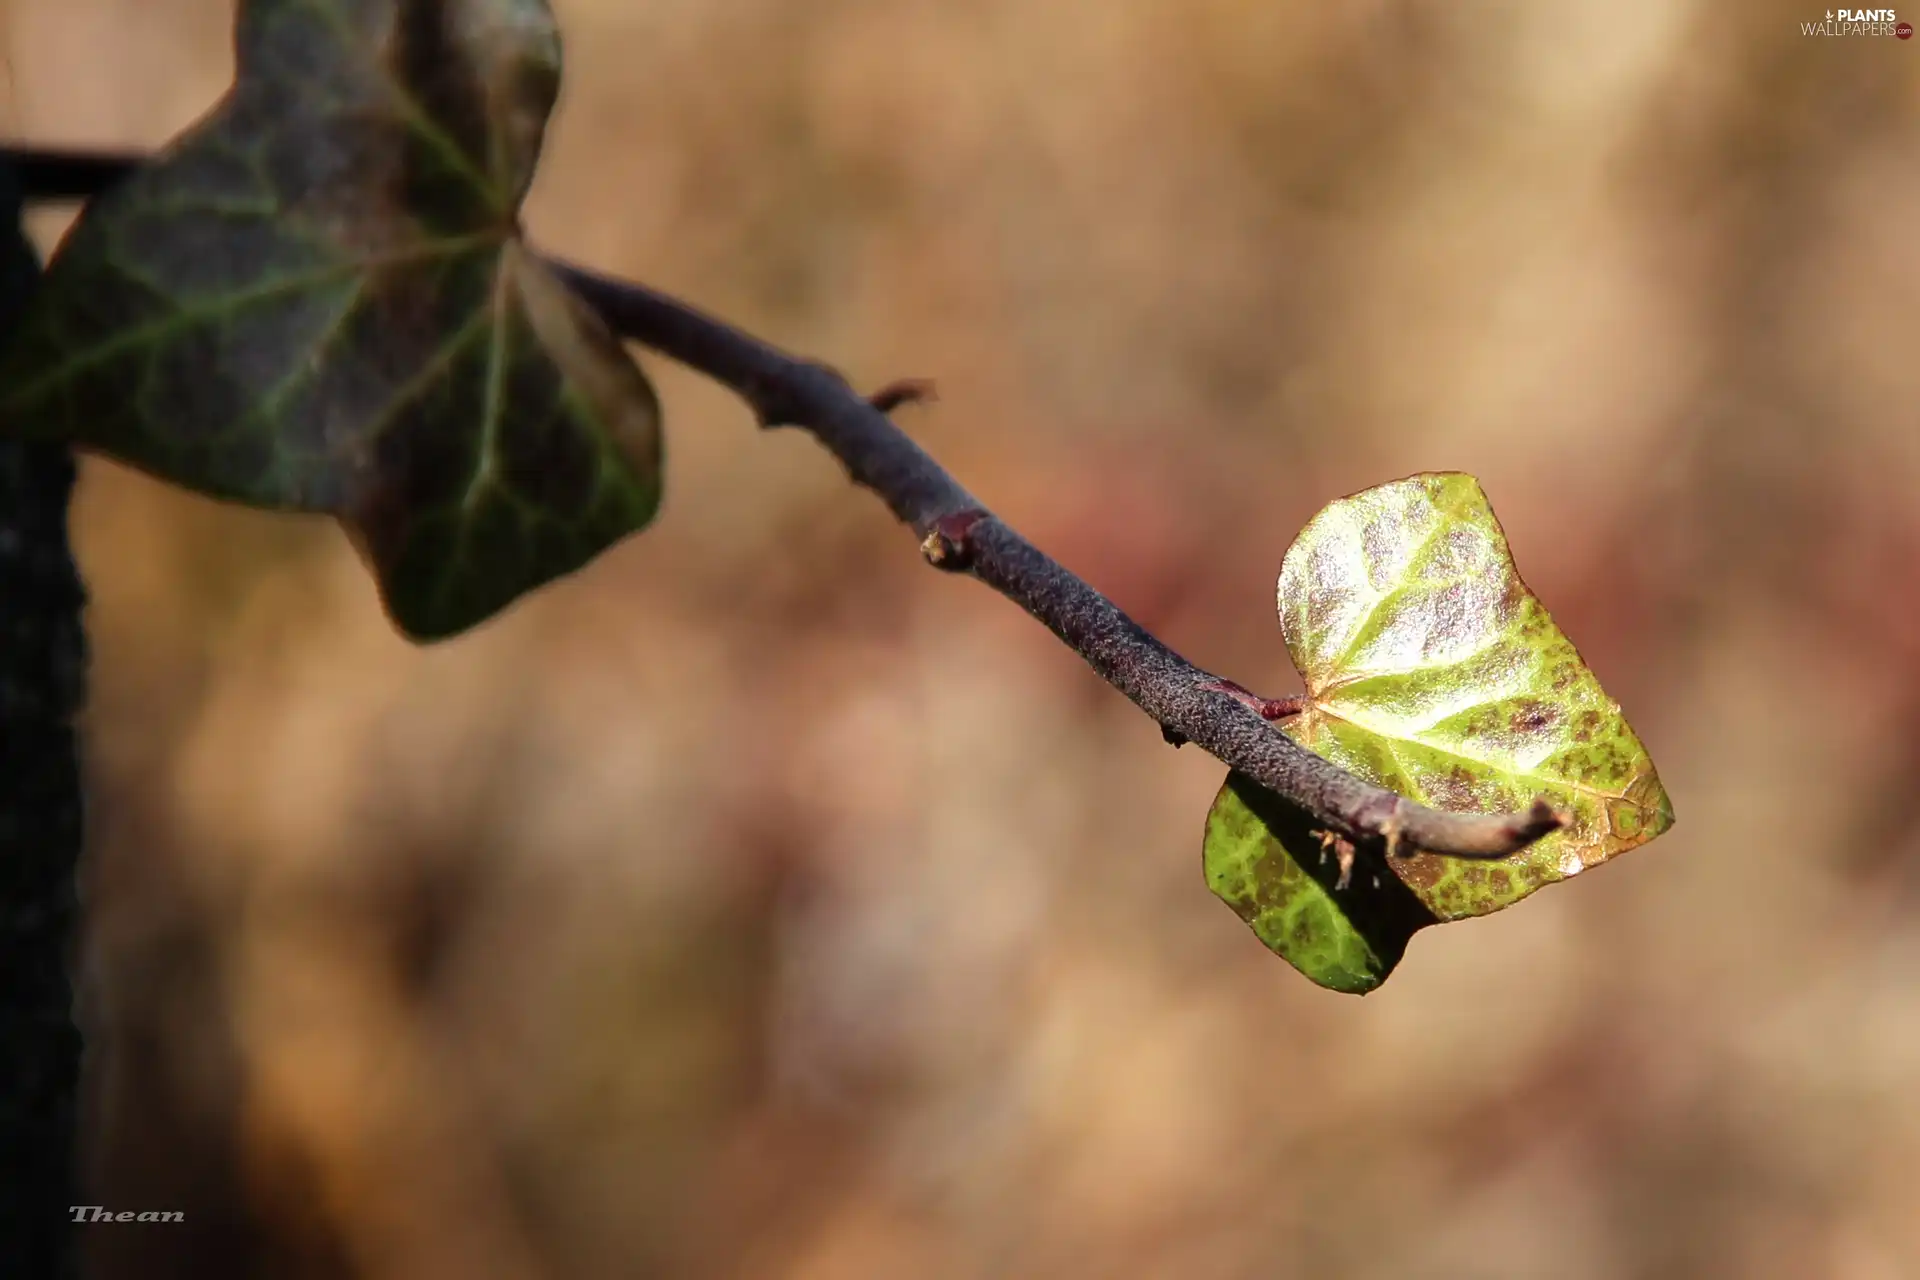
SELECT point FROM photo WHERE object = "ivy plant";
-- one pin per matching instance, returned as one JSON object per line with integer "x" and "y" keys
{"x": 319, "y": 299}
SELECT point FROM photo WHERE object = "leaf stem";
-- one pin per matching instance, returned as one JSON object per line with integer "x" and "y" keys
{"x": 1265, "y": 708}
{"x": 959, "y": 534}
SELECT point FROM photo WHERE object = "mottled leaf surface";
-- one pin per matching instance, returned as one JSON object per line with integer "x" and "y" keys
{"x": 1264, "y": 859}
{"x": 317, "y": 299}
{"x": 1432, "y": 670}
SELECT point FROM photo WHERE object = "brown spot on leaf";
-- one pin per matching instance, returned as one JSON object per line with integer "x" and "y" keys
{"x": 1455, "y": 789}
{"x": 1531, "y": 716}
{"x": 1420, "y": 872}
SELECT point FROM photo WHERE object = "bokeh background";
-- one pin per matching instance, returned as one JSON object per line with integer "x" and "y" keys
{"x": 758, "y": 903}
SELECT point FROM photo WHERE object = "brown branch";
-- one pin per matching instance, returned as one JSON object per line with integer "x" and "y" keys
{"x": 959, "y": 534}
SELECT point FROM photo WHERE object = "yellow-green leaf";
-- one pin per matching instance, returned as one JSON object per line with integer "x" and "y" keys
{"x": 318, "y": 299}
{"x": 1431, "y": 670}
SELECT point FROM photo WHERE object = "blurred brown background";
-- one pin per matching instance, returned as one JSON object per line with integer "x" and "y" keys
{"x": 761, "y": 904}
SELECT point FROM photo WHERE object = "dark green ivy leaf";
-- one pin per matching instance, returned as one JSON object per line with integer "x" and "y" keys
{"x": 317, "y": 299}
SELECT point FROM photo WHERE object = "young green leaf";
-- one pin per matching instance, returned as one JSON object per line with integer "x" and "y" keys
{"x": 318, "y": 300}
{"x": 1431, "y": 670}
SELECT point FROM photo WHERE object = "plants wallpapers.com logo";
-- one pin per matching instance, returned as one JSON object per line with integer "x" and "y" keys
{"x": 1859, "y": 22}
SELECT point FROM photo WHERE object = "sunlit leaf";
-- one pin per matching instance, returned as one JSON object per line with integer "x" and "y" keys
{"x": 1432, "y": 670}
{"x": 318, "y": 300}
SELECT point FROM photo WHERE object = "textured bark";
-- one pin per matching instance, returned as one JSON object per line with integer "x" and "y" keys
{"x": 42, "y": 657}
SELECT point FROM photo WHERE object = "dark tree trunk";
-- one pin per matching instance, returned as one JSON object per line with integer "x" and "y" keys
{"x": 42, "y": 660}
